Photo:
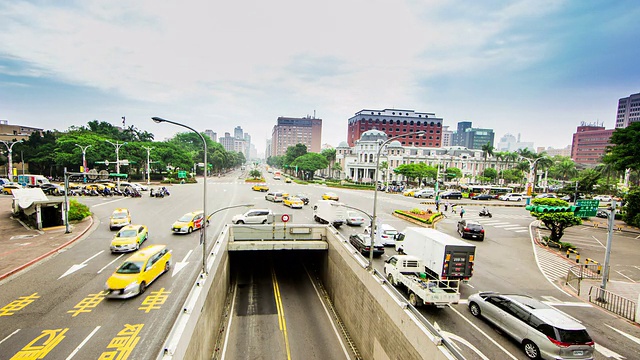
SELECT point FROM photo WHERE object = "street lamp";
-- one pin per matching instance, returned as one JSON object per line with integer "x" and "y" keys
{"x": 375, "y": 191}
{"x": 148, "y": 172}
{"x": 9, "y": 145}
{"x": 532, "y": 164}
{"x": 204, "y": 192}
{"x": 84, "y": 160}
{"x": 117, "y": 145}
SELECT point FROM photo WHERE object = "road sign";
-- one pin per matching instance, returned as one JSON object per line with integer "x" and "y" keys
{"x": 284, "y": 218}
{"x": 104, "y": 174}
{"x": 588, "y": 208}
{"x": 182, "y": 174}
{"x": 116, "y": 175}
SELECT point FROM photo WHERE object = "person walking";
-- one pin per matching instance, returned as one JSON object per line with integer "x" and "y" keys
{"x": 461, "y": 212}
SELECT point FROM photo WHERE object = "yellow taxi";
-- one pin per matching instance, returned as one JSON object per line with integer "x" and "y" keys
{"x": 292, "y": 202}
{"x": 97, "y": 187}
{"x": 330, "y": 196}
{"x": 138, "y": 271}
{"x": 260, "y": 187}
{"x": 119, "y": 217}
{"x": 129, "y": 238}
{"x": 8, "y": 188}
{"x": 189, "y": 222}
{"x": 409, "y": 192}
{"x": 287, "y": 180}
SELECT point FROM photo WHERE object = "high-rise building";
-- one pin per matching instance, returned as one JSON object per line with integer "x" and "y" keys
{"x": 267, "y": 149}
{"x": 458, "y": 135}
{"x": 227, "y": 142}
{"x": 447, "y": 136}
{"x": 395, "y": 122}
{"x": 238, "y": 133}
{"x": 510, "y": 143}
{"x": 210, "y": 133}
{"x": 247, "y": 145}
{"x": 589, "y": 143}
{"x": 628, "y": 111}
{"x": 291, "y": 131}
{"x": 472, "y": 138}
{"x": 551, "y": 152}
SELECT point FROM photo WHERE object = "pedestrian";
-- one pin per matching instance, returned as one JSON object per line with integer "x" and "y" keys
{"x": 446, "y": 206}
{"x": 437, "y": 205}
{"x": 461, "y": 212}
{"x": 453, "y": 208}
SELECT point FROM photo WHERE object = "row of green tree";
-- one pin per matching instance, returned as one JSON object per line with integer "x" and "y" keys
{"x": 303, "y": 164}
{"x": 51, "y": 153}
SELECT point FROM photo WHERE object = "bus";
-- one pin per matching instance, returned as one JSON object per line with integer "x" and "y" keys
{"x": 472, "y": 190}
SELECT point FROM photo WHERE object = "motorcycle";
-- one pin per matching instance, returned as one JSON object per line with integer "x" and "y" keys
{"x": 485, "y": 213}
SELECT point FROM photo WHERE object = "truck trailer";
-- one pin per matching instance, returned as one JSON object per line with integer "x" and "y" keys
{"x": 444, "y": 256}
{"x": 329, "y": 211}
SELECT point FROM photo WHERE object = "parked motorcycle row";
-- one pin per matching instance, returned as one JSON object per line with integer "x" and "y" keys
{"x": 129, "y": 191}
{"x": 159, "y": 193}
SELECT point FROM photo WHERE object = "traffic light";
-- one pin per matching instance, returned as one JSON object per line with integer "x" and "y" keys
{"x": 545, "y": 209}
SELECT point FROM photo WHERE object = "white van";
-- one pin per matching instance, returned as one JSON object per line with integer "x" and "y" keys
{"x": 387, "y": 234}
{"x": 275, "y": 196}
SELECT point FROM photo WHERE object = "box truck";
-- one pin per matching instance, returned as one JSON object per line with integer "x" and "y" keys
{"x": 329, "y": 211}
{"x": 444, "y": 256}
{"x": 32, "y": 180}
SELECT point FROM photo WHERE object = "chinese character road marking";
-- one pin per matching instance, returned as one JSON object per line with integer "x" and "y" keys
{"x": 123, "y": 344}
{"x": 87, "y": 304}
{"x": 18, "y": 305}
{"x": 155, "y": 300}
{"x": 41, "y": 346}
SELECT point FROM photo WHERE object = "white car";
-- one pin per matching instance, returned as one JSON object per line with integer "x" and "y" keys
{"x": 511, "y": 197}
{"x": 354, "y": 219}
{"x": 424, "y": 193}
{"x": 137, "y": 186}
{"x": 254, "y": 216}
{"x": 603, "y": 198}
{"x": 388, "y": 234}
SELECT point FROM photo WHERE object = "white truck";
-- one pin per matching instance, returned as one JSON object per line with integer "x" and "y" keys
{"x": 408, "y": 271}
{"x": 329, "y": 211}
{"x": 444, "y": 256}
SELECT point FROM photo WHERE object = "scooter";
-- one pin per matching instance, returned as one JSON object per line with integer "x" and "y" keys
{"x": 485, "y": 213}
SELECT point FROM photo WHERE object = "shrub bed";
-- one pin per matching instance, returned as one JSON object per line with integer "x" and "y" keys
{"x": 427, "y": 217}
{"x": 78, "y": 211}
{"x": 252, "y": 180}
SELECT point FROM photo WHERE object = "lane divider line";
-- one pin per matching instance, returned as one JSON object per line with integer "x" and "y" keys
{"x": 280, "y": 308}
{"x": 75, "y": 351}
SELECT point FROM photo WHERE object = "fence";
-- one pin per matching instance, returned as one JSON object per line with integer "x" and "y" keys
{"x": 577, "y": 273}
{"x": 612, "y": 302}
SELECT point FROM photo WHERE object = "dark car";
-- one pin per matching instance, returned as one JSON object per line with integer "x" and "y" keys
{"x": 451, "y": 195}
{"x": 362, "y": 243}
{"x": 303, "y": 197}
{"x": 483, "y": 197}
{"x": 52, "y": 189}
{"x": 602, "y": 214}
{"x": 471, "y": 229}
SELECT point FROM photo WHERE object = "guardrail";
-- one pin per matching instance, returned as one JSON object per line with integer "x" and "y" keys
{"x": 612, "y": 302}
{"x": 583, "y": 271}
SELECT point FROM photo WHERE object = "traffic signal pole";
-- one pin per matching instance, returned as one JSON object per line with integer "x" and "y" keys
{"x": 607, "y": 255}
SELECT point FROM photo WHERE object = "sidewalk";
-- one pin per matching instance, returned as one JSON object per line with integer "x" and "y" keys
{"x": 21, "y": 247}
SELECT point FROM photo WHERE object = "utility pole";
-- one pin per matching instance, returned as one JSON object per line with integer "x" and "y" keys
{"x": 22, "y": 160}
{"x": 607, "y": 255}
{"x": 148, "y": 171}
{"x": 117, "y": 145}
{"x": 9, "y": 145}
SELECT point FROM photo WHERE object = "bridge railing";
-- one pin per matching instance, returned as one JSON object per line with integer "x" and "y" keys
{"x": 577, "y": 273}
{"x": 612, "y": 302}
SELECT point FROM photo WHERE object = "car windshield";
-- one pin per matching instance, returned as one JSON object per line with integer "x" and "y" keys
{"x": 352, "y": 214}
{"x": 186, "y": 218}
{"x": 130, "y": 267}
{"x": 127, "y": 233}
{"x": 474, "y": 226}
{"x": 391, "y": 232}
{"x": 574, "y": 336}
{"x": 120, "y": 215}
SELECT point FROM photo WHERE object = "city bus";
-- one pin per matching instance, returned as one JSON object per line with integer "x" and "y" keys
{"x": 472, "y": 190}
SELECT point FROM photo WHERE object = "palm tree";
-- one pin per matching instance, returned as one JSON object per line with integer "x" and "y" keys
{"x": 487, "y": 150}
{"x": 567, "y": 169}
{"x": 606, "y": 169}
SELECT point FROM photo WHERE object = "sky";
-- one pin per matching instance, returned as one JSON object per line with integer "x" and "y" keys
{"x": 538, "y": 68}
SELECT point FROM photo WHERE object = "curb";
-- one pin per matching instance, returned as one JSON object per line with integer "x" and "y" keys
{"x": 476, "y": 203}
{"x": 47, "y": 254}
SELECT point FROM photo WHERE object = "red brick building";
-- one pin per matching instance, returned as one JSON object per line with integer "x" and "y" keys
{"x": 395, "y": 122}
{"x": 589, "y": 143}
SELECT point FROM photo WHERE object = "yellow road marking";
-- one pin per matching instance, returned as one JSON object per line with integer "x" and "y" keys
{"x": 123, "y": 344}
{"x": 18, "y": 304}
{"x": 88, "y": 304}
{"x": 280, "y": 308}
{"x": 39, "y": 347}
{"x": 155, "y": 300}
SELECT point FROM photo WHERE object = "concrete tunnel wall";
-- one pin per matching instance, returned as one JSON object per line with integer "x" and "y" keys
{"x": 380, "y": 327}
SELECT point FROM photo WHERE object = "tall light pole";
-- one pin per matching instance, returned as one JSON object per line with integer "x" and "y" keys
{"x": 9, "y": 145}
{"x": 117, "y": 145}
{"x": 84, "y": 159}
{"x": 375, "y": 192}
{"x": 532, "y": 164}
{"x": 148, "y": 172}
{"x": 204, "y": 191}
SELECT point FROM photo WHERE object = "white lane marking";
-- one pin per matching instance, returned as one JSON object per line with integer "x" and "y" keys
{"x": 109, "y": 264}
{"x": 567, "y": 303}
{"x": 625, "y": 276}
{"x": 181, "y": 264}
{"x": 461, "y": 340}
{"x": 630, "y": 337}
{"x": 333, "y": 326}
{"x": 226, "y": 337}
{"x": 512, "y": 227}
{"x": 535, "y": 254}
{"x": 10, "y": 335}
{"x": 519, "y": 231}
{"x": 601, "y": 244}
{"x": 83, "y": 343}
{"x": 77, "y": 267}
{"x": 607, "y": 352}
{"x": 108, "y": 202}
{"x": 503, "y": 226}
{"x": 485, "y": 334}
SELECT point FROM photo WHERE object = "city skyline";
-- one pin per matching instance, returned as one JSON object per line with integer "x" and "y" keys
{"x": 529, "y": 67}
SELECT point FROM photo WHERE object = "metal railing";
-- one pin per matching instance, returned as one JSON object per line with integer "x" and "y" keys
{"x": 613, "y": 302}
{"x": 577, "y": 273}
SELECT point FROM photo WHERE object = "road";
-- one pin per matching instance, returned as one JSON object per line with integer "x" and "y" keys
{"x": 76, "y": 322}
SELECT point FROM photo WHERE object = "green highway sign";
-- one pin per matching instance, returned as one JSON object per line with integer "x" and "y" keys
{"x": 116, "y": 175}
{"x": 588, "y": 208}
{"x": 182, "y": 174}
